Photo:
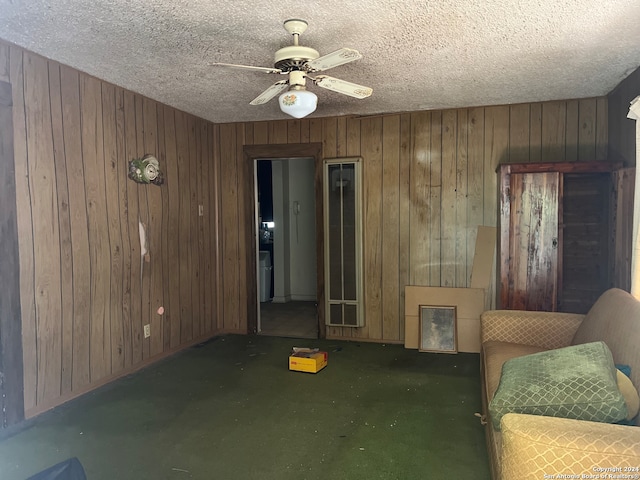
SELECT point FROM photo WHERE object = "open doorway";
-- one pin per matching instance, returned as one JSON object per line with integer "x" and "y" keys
{"x": 287, "y": 247}
{"x": 252, "y": 153}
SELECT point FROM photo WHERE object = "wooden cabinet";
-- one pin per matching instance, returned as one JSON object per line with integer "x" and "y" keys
{"x": 559, "y": 234}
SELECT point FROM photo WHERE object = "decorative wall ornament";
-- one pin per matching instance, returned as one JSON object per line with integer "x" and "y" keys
{"x": 146, "y": 170}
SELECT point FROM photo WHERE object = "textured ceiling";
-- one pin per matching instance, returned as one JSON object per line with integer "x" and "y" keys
{"x": 418, "y": 54}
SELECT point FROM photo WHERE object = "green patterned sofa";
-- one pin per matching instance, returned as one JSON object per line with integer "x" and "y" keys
{"x": 537, "y": 447}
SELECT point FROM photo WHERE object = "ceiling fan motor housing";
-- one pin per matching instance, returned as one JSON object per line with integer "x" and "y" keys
{"x": 294, "y": 57}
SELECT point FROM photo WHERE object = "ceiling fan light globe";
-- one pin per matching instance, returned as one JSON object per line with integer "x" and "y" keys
{"x": 298, "y": 103}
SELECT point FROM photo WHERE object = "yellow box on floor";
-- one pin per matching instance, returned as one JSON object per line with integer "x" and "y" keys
{"x": 310, "y": 360}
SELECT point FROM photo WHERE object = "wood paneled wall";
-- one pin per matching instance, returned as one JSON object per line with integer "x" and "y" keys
{"x": 85, "y": 289}
{"x": 429, "y": 181}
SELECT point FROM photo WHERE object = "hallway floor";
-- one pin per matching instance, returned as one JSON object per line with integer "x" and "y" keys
{"x": 291, "y": 319}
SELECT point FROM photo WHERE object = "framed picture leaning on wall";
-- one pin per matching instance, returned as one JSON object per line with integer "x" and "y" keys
{"x": 437, "y": 329}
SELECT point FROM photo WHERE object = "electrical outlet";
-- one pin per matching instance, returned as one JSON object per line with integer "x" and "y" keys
{"x": 147, "y": 330}
{"x": 200, "y": 210}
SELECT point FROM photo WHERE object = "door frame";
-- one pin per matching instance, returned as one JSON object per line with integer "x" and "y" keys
{"x": 251, "y": 153}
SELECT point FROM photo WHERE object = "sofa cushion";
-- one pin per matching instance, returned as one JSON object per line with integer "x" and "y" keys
{"x": 615, "y": 320}
{"x": 630, "y": 394}
{"x": 495, "y": 353}
{"x": 572, "y": 382}
{"x": 536, "y": 447}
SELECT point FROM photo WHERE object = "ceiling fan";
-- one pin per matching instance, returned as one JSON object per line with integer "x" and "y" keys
{"x": 297, "y": 62}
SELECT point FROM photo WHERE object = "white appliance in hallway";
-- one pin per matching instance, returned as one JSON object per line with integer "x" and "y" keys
{"x": 265, "y": 276}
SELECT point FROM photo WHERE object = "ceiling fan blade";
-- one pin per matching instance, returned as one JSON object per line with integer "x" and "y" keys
{"x": 334, "y": 59}
{"x": 247, "y": 67}
{"x": 341, "y": 86}
{"x": 270, "y": 92}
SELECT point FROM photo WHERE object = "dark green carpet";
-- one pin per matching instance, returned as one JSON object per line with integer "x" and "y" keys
{"x": 230, "y": 409}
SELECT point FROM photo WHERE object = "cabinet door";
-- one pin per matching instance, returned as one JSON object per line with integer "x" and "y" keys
{"x": 533, "y": 243}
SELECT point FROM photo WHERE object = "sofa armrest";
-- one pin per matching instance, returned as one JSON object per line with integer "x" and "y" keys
{"x": 538, "y": 329}
{"x": 535, "y": 446}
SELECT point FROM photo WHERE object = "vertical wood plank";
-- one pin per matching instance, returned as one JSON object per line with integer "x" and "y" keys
{"x": 419, "y": 198}
{"x": 435, "y": 201}
{"x": 404, "y": 216}
{"x": 315, "y": 131}
{"x": 341, "y": 136}
{"x": 216, "y": 207}
{"x": 25, "y": 230}
{"x": 535, "y": 136}
{"x": 66, "y": 250}
{"x": 602, "y": 130}
{"x": 248, "y": 133}
{"x": 462, "y": 228}
{"x": 330, "y": 137}
{"x": 519, "y": 132}
{"x": 46, "y": 235}
{"x": 353, "y": 134}
{"x": 165, "y": 254}
{"x": 554, "y": 122}
{"x": 93, "y": 156}
{"x": 573, "y": 127}
{"x": 260, "y": 133}
{"x": 206, "y": 189}
{"x": 133, "y": 223}
{"x": 229, "y": 214}
{"x": 304, "y": 130}
{"x": 372, "y": 203}
{"x": 122, "y": 170}
{"x": 182, "y": 142}
{"x": 245, "y": 210}
{"x": 115, "y": 319}
{"x": 475, "y": 169}
{"x": 12, "y": 384}
{"x": 173, "y": 312}
{"x": 448, "y": 208}
{"x": 390, "y": 227}
{"x": 293, "y": 131}
{"x": 70, "y": 101}
{"x": 496, "y": 144}
{"x": 587, "y": 130}
{"x": 214, "y": 196}
{"x": 194, "y": 269}
{"x": 200, "y": 226}
{"x": 278, "y": 131}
